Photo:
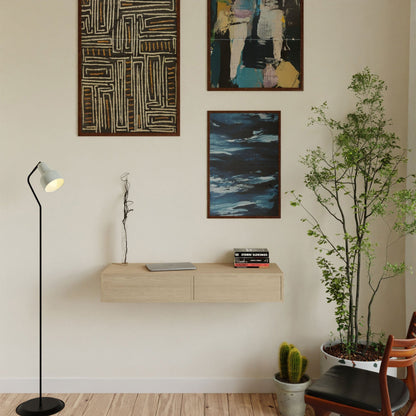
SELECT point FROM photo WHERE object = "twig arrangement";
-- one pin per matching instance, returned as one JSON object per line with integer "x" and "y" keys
{"x": 126, "y": 210}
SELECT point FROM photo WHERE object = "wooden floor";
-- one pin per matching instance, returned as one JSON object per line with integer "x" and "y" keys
{"x": 159, "y": 404}
{"x": 155, "y": 404}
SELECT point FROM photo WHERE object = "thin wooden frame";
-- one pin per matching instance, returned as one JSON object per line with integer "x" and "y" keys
{"x": 128, "y": 68}
{"x": 255, "y": 45}
{"x": 243, "y": 164}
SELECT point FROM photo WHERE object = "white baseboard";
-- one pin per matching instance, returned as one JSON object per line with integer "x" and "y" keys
{"x": 138, "y": 385}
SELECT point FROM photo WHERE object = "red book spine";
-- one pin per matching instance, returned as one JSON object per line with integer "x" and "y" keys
{"x": 251, "y": 265}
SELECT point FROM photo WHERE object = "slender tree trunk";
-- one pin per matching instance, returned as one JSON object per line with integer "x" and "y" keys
{"x": 351, "y": 310}
{"x": 349, "y": 276}
{"x": 370, "y": 303}
{"x": 357, "y": 296}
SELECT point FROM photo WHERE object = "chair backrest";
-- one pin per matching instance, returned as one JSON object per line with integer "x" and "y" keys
{"x": 399, "y": 353}
{"x": 411, "y": 333}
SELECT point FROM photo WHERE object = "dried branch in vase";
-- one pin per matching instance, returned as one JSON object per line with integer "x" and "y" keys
{"x": 126, "y": 210}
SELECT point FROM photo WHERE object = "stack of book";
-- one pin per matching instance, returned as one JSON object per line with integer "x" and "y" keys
{"x": 251, "y": 257}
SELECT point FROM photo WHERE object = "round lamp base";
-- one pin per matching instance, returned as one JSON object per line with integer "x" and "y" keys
{"x": 40, "y": 407}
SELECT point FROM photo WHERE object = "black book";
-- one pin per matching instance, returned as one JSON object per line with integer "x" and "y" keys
{"x": 251, "y": 260}
{"x": 251, "y": 252}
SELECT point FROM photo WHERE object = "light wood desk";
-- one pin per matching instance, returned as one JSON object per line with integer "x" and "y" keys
{"x": 210, "y": 282}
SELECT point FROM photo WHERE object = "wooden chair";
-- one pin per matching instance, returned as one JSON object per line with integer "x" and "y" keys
{"x": 350, "y": 391}
{"x": 411, "y": 332}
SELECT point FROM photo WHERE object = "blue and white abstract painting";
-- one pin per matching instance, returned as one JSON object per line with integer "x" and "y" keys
{"x": 244, "y": 164}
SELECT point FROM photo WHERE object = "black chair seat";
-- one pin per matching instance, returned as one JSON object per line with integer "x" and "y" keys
{"x": 358, "y": 388}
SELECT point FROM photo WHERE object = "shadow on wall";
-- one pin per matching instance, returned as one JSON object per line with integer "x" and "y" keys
{"x": 79, "y": 287}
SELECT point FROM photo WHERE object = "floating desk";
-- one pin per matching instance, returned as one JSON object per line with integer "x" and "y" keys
{"x": 210, "y": 282}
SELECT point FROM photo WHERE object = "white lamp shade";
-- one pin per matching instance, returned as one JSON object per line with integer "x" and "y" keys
{"x": 50, "y": 179}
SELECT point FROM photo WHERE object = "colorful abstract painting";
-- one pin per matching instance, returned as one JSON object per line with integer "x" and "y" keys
{"x": 244, "y": 164}
{"x": 128, "y": 67}
{"x": 255, "y": 44}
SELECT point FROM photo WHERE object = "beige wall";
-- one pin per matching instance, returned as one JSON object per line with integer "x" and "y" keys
{"x": 82, "y": 230}
{"x": 411, "y": 240}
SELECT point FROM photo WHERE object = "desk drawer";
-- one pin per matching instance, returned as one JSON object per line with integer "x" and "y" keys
{"x": 244, "y": 287}
{"x": 147, "y": 288}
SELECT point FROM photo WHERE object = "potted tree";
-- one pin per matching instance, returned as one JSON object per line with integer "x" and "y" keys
{"x": 357, "y": 182}
{"x": 291, "y": 382}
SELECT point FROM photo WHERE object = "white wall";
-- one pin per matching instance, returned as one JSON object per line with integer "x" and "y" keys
{"x": 85, "y": 338}
{"x": 411, "y": 240}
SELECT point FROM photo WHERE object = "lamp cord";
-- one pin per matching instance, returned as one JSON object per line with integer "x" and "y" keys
{"x": 40, "y": 282}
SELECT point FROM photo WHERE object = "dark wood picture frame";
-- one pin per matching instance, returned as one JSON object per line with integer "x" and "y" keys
{"x": 255, "y": 45}
{"x": 128, "y": 68}
{"x": 243, "y": 164}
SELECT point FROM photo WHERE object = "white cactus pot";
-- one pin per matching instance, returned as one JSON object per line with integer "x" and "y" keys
{"x": 290, "y": 397}
{"x": 327, "y": 361}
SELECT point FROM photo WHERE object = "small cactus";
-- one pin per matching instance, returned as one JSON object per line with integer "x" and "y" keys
{"x": 292, "y": 363}
{"x": 283, "y": 360}
{"x": 283, "y": 356}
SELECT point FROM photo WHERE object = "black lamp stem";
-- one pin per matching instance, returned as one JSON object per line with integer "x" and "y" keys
{"x": 40, "y": 280}
{"x": 40, "y": 406}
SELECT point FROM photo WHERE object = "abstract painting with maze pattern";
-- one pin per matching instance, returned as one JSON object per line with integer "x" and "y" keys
{"x": 128, "y": 67}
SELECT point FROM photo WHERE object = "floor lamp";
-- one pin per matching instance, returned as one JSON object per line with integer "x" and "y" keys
{"x": 50, "y": 181}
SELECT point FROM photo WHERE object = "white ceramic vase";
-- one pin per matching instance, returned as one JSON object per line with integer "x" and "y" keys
{"x": 290, "y": 397}
{"x": 327, "y": 361}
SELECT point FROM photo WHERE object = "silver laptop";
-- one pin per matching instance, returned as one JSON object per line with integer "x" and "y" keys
{"x": 164, "y": 267}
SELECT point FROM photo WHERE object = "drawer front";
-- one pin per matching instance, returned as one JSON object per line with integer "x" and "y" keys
{"x": 146, "y": 288}
{"x": 242, "y": 288}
